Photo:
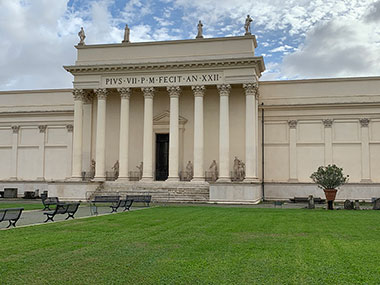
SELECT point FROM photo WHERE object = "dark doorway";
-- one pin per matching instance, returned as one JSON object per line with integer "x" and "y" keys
{"x": 162, "y": 156}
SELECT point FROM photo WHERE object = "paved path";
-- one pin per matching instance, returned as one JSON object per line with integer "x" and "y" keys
{"x": 34, "y": 217}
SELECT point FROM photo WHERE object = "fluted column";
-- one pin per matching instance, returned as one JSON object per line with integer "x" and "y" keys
{"x": 125, "y": 94}
{"x": 148, "y": 134}
{"x": 77, "y": 134}
{"x": 100, "y": 152}
{"x": 174, "y": 92}
{"x": 366, "y": 175}
{"x": 224, "y": 134}
{"x": 293, "y": 151}
{"x": 251, "y": 96}
{"x": 199, "y": 174}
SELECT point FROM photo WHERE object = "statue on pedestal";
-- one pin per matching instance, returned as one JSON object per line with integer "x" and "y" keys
{"x": 140, "y": 168}
{"x": 81, "y": 36}
{"x": 189, "y": 171}
{"x": 116, "y": 169}
{"x": 200, "y": 30}
{"x": 214, "y": 170}
{"x": 238, "y": 170}
{"x": 92, "y": 168}
{"x": 247, "y": 25}
{"x": 126, "y": 34}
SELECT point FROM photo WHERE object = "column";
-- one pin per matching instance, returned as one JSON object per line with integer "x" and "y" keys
{"x": 292, "y": 150}
{"x": 69, "y": 155}
{"x": 77, "y": 135}
{"x": 14, "y": 158}
{"x": 87, "y": 131}
{"x": 174, "y": 92}
{"x": 224, "y": 134}
{"x": 148, "y": 134}
{"x": 41, "y": 150}
{"x": 100, "y": 152}
{"x": 251, "y": 106}
{"x": 199, "y": 173}
{"x": 328, "y": 141}
{"x": 366, "y": 176}
{"x": 125, "y": 94}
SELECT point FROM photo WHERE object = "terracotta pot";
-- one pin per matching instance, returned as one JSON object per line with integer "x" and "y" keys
{"x": 330, "y": 194}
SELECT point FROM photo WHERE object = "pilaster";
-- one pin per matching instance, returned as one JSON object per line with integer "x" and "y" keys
{"x": 366, "y": 175}
{"x": 293, "y": 150}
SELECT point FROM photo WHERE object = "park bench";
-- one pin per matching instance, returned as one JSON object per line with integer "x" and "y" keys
{"x": 114, "y": 200}
{"x": 12, "y": 215}
{"x": 127, "y": 204}
{"x": 68, "y": 208}
{"x": 140, "y": 198}
{"x": 49, "y": 201}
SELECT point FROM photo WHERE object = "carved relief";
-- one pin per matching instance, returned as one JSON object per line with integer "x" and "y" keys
{"x": 174, "y": 91}
{"x": 328, "y": 123}
{"x": 148, "y": 92}
{"x": 198, "y": 90}
{"x": 252, "y": 89}
{"x": 364, "y": 122}
{"x": 292, "y": 124}
{"x": 70, "y": 128}
{"x": 42, "y": 128}
{"x": 101, "y": 93}
{"x": 15, "y": 129}
{"x": 224, "y": 89}
{"x": 125, "y": 93}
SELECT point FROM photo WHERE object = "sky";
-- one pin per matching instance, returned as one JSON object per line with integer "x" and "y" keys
{"x": 298, "y": 39}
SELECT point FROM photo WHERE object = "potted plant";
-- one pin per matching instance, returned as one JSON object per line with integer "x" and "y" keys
{"x": 329, "y": 178}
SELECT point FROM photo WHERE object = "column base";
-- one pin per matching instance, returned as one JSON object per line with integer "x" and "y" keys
{"x": 251, "y": 180}
{"x": 13, "y": 178}
{"x": 146, "y": 179}
{"x": 74, "y": 179}
{"x": 224, "y": 180}
{"x": 122, "y": 179}
{"x": 366, "y": 180}
{"x": 40, "y": 179}
{"x": 99, "y": 179}
{"x": 198, "y": 180}
{"x": 172, "y": 179}
{"x": 292, "y": 180}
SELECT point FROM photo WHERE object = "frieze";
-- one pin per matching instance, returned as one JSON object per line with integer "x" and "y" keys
{"x": 163, "y": 80}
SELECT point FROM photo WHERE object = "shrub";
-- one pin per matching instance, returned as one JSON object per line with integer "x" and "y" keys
{"x": 329, "y": 177}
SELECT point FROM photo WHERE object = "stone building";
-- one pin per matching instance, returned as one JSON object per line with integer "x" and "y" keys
{"x": 160, "y": 110}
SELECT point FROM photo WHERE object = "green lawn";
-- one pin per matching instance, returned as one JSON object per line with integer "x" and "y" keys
{"x": 198, "y": 245}
{"x": 35, "y": 205}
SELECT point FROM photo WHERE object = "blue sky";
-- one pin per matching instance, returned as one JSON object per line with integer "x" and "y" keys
{"x": 298, "y": 38}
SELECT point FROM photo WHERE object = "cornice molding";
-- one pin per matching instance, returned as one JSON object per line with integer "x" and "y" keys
{"x": 257, "y": 62}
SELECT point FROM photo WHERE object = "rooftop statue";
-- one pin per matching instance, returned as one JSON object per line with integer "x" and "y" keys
{"x": 81, "y": 36}
{"x": 126, "y": 34}
{"x": 200, "y": 30}
{"x": 247, "y": 25}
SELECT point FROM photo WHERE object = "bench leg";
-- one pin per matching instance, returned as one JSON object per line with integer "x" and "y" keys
{"x": 11, "y": 223}
{"x": 49, "y": 218}
{"x": 113, "y": 209}
{"x": 69, "y": 216}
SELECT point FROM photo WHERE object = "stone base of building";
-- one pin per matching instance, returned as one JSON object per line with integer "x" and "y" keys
{"x": 351, "y": 191}
{"x": 239, "y": 193}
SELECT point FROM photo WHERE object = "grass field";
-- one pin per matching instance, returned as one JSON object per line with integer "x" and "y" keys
{"x": 198, "y": 245}
{"x": 28, "y": 205}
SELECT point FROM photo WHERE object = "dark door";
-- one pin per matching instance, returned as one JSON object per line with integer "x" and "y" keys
{"x": 162, "y": 156}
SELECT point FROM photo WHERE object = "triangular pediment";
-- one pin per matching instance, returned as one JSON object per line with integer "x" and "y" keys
{"x": 164, "y": 119}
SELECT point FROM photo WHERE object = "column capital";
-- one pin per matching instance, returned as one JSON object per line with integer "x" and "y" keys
{"x": 224, "y": 89}
{"x": 198, "y": 90}
{"x": 78, "y": 94}
{"x": 148, "y": 92}
{"x": 174, "y": 91}
{"x": 125, "y": 92}
{"x": 70, "y": 128}
{"x": 87, "y": 97}
{"x": 251, "y": 89}
{"x": 292, "y": 124}
{"x": 101, "y": 93}
{"x": 328, "y": 123}
{"x": 15, "y": 129}
{"x": 42, "y": 128}
{"x": 364, "y": 122}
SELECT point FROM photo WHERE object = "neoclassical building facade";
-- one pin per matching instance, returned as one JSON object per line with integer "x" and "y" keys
{"x": 189, "y": 120}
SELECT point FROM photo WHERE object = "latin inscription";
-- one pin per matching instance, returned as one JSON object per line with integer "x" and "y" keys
{"x": 163, "y": 80}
